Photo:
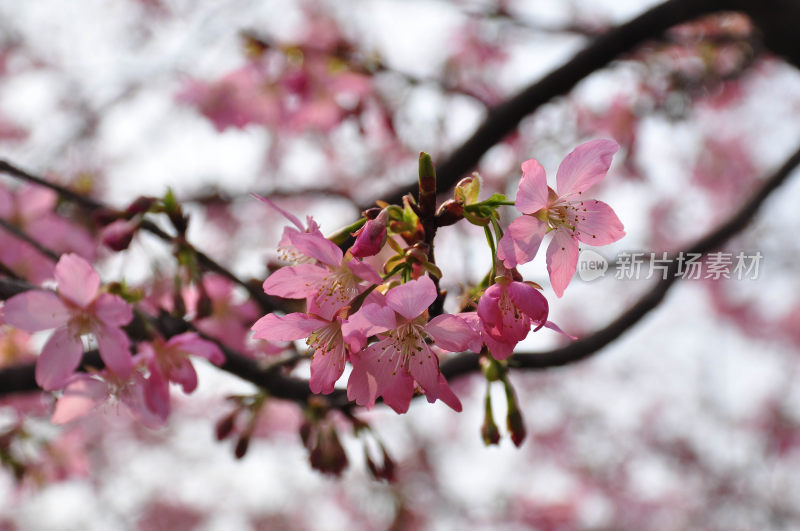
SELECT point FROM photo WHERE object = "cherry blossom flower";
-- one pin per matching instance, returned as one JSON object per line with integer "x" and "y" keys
{"x": 402, "y": 358}
{"x": 328, "y": 285}
{"x": 83, "y": 393}
{"x": 507, "y": 310}
{"x": 325, "y": 337}
{"x": 570, "y": 217}
{"x": 77, "y": 309}
{"x": 169, "y": 362}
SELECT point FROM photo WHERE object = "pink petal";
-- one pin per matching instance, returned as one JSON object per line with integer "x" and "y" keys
{"x": 530, "y": 301}
{"x": 532, "y": 193}
{"x": 288, "y": 327}
{"x": 318, "y": 247}
{"x": 155, "y": 392}
{"x": 81, "y": 395}
{"x": 371, "y": 319}
{"x": 35, "y": 201}
{"x": 489, "y": 310}
{"x": 77, "y": 281}
{"x": 295, "y": 282}
{"x": 450, "y": 332}
{"x": 184, "y": 374}
{"x": 191, "y": 343}
{"x": 113, "y": 345}
{"x": 60, "y": 357}
{"x": 285, "y": 214}
{"x": 474, "y": 322}
{"x": 552, "y": 326}
{"x": 364, "y": 271}
{"x": 398, "y": 395}
{"x": 447, "y": 395}
{"x": 412, "y": 298}
{"x": 326, "y": 369}
{"x": 597, "y": 223}
{"x": 585, "y": 166}
{"x": 133, "y": 396}
{"x": 562, "y": 260}
{"x": 362, "y": 386}
{"x": 499, "y": 350}
{"x": 424, "y": 367}
{"x": 35, "y": 310}
{"x": 521, "y": 241}
{"x": 113, "y": 310}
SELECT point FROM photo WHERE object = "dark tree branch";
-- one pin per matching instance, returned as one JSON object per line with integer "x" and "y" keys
{"x": 776, "y": 19}
{"x": 205, "y": 261}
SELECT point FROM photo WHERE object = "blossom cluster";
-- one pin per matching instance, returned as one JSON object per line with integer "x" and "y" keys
{"x": 384, "y": 326}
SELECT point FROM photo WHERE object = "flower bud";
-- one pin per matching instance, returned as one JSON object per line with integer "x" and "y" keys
{"x": 450, "y": 212}
{"x": 225, "y": 425}
{"x": 241, "y": 446}
{"x": 489, "y": 431}
{"x": 371, "y": 237}
{"x": 468, "y": 189}
{"x": 118, "y": 235}
{"x": 328, "y": 456}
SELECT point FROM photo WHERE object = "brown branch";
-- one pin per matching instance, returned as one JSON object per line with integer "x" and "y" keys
{"x": 776, "y": 20}
{"x": 205, "y": 261}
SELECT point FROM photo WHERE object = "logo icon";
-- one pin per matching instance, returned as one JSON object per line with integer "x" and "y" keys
{"x": 591, "y": 265}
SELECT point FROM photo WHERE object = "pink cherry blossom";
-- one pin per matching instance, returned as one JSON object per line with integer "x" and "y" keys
{"x": 327, "y": 338}
{"x": 570, "y": 217}
{"x": 77, "y": 309}
{"x": 328, "y": 285}
{"x": 83, "y": 393}
{"x": 169, "y": 362}
{"x": 507, "y": 310}
{"x": 401, "y": 358}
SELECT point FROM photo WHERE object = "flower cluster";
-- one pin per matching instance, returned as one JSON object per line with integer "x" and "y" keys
{"x": 385, "y": 326}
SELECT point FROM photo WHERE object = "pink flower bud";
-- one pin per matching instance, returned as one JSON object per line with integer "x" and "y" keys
{"x": 371, "y": 237}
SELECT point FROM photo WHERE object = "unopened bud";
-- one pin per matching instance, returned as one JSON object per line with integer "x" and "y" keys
{"x": 140, "y": 205}
{"x": 468, "y": 189}
{"x": 225, "y": 425}
{"x": 371, "y": 237}
{"x": 119, "y": 234}
{"x": 450, "y": 212}
{"x": 328, "y": 456}
{"x": 241, "y": 446}
{"x": 514, "y": 422}
{"x": 489, "y": 431}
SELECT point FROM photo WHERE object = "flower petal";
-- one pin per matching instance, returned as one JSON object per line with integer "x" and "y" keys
{"x": 499, "y": 350}
{"x": 598, "y": 224}
{"x": 585, "y": 166}
{"x": 532, "y": 192}
{"x": 412, "y": 298}
{"x": 81, "y": 395}
{"x": 77, "y": 281}
{"x": 35, "y": 310}
{"x": 191, "y": 343}
{"x": 364, "y": 271}
{"x": 60, "y": 357}
{"x": 447, "y": 395}
{"x": 530, "y": 300}
{"x": 292, "y": 218}
{"x": 318, "y": 247}
{"x": 562, "y": 260}
{"x": 295, "y": 282}
{"x": 521, "y": 241}
{"x": 424, "y": 367}
{"x": 288, "y": 327}
{"x": 450, "y": 332}
{"x": 326, "y": 369}
{"x": 114, "y": 347}
{"x": 113, "y": 310}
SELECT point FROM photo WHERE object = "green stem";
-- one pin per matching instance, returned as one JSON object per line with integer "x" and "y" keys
{"x": 490, "y": 240}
